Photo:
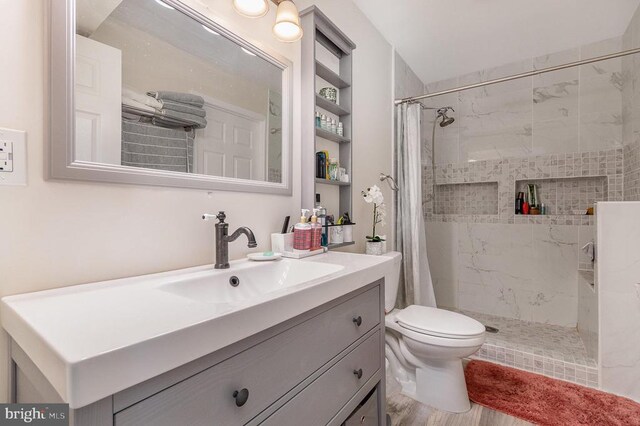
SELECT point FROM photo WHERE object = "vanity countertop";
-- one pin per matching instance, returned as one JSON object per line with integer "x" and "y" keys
{"x": 94, "y": 340}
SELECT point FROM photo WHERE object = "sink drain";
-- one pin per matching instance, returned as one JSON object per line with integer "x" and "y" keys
{"x": 491, "y": 329}
{"x": 234, "y": 281}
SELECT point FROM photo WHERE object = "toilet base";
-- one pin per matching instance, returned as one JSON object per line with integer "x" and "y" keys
{"x": 440, "y": 384}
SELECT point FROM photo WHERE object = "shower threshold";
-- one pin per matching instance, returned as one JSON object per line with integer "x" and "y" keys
{"x": 546, "y": 349}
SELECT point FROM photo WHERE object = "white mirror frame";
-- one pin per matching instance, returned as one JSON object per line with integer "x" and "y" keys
{"x": 60, "y": 117}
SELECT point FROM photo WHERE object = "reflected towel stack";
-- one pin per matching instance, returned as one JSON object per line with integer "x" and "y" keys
{"x": 135, "y": 105}
{"x": 178, "y": 109}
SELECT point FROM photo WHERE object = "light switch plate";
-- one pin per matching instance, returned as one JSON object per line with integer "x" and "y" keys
{"x": 13, "y": 157}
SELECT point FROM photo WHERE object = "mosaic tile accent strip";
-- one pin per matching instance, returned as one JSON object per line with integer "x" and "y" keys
{"x": 580, "y": 179}
{"x": 632, "y": 171}
{"x": 480, "y": 198}
{"x": 551, "y": 350}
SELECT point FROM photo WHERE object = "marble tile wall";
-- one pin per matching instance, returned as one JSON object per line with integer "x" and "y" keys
{"x": 522, "y": 271}
{"x": 618, "y": 286}
{"x": 567, "y": 111}
{"x": 631, "y": 111}
{"x": 562, "y": 131}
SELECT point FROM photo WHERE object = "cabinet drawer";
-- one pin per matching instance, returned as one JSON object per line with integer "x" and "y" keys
{"x": 366, "y": 414}
{"x": 321, "y": 400}
{"x": 262, "y": 373}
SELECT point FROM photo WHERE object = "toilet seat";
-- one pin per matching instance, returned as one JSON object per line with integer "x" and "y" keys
{"x": 439, "y": 323}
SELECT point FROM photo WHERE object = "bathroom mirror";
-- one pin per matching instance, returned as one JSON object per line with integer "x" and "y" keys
{"x": 153, "y": 92}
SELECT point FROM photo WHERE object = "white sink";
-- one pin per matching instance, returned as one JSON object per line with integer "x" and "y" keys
{"x": 94, "y": 340}
{"x": 253, "y": 279}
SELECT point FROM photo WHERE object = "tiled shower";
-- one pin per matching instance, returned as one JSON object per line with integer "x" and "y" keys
{"x": 573, "y": 134}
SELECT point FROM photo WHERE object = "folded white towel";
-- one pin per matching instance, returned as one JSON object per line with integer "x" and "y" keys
{"x": 138, "y": 105}
{"x": 141, "y": 98}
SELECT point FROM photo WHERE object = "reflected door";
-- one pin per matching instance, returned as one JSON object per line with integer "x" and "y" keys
{"x": 232, "y": 144}
{"x": 98, "y": 102}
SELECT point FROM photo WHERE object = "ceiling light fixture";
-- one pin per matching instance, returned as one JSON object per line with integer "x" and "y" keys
{"x": 163, "y": 4}
{"x": 251, "y": 8}
{"x": 287, "y": 27}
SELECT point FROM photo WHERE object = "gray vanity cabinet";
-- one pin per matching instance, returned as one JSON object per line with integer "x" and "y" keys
{"x": 314, "y": 369}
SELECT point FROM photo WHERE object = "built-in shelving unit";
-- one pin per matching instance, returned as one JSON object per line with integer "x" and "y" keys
{"x": 331, "y": 77}
{"x": 326, "y": 62}
{"x": 332, "y": 182}
{"x": 333, "y": 108}
{"x": 330, "y": 136}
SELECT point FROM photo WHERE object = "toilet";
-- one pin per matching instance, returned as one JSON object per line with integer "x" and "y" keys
{"x": 425, "y": 347}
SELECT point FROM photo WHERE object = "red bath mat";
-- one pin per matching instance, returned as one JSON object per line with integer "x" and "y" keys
{"x": 546, "y": 401}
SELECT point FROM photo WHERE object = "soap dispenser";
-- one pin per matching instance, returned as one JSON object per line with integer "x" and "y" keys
{"x": 302, "y": 233}
{"x": 316, "y": 231}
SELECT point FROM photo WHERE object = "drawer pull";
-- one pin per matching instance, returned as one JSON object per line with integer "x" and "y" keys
{"x": 358, "y": 373}
{"x": 241, "y": 396}
{"x": 357, "y": 320}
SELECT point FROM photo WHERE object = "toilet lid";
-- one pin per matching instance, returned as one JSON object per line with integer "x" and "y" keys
{"x": 439, "y": 322}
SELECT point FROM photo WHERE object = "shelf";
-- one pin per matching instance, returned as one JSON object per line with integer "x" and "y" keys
{"x": 326, "y": 60}
{"x": 332, "y": 182}
{"x": 325, "y": 134}
{"x": 331, "y": 107}
{"x": 331, "y": 77}
{"x": 338, "y": 245}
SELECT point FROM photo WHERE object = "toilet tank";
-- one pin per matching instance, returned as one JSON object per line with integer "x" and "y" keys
{"x": 391, "y": 281}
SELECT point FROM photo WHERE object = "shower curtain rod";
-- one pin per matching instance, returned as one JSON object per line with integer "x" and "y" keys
{"x": 517, "y": 76}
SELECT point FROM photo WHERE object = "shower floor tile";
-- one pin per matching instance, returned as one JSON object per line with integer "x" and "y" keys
{"x": 551, "y": 350}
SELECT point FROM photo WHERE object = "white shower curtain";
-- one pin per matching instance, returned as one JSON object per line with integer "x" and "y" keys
{"x": 416, "y": 286}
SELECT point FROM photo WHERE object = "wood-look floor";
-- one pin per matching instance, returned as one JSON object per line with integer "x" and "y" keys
{"x": 405, "y": 411}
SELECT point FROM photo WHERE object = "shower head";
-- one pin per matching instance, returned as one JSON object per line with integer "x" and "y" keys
{"x": 390, "y": 181}
{"x": 446, "y": 120}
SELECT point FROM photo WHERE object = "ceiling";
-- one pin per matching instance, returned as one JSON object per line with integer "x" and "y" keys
{"x": 440, "y": 39}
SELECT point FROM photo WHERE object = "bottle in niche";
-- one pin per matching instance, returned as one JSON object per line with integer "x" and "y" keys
{"x": 334, "y": 127}
{"x": 340, "y": 129}
{"x": 525, "y": 205}
{"x": 519, "y": 202}
{"x": 323, "y": 122}
{"x": 318, "y": 120}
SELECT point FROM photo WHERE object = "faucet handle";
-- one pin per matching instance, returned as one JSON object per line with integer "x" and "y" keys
{"x": 220, "y": 216}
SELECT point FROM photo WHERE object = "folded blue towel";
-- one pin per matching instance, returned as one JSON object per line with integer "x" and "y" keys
{"x": 185, "y": 98}
{"x": 186, "y": 108}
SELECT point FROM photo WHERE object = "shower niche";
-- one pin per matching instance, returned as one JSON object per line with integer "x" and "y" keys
{"x": 477, "y": 198}
{"x": 567, "y": 196}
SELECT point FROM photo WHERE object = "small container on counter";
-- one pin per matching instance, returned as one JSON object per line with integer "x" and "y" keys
{"x": 302, "y": 233}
